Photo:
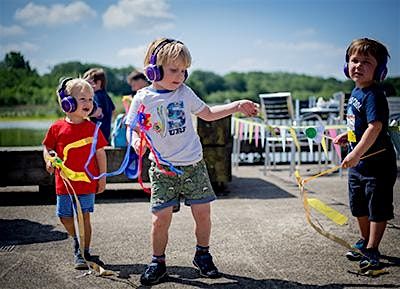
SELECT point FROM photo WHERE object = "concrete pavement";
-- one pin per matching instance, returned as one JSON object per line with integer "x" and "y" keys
{"x": 260, "y": 239}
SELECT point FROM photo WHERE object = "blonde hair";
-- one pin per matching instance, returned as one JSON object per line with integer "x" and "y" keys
{"x": 168, "y": 51}
{"x": 75, "y": 86}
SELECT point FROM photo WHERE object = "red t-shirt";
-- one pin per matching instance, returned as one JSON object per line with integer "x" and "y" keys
{"x": 60, "y": 134}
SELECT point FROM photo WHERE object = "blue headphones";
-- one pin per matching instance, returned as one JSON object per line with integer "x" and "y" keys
{"x": 153, "y": 71}
{"x": 68, "y": 102}
{"x": 380, "y": 70}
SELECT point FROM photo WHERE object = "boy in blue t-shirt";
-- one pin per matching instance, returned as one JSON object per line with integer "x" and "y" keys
{"x": 370, "y": 180}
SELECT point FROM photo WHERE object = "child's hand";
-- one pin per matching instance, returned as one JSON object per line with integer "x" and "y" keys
{"x": 49, "y": 167}
{"x": 341, "y": 139}
{"x": 101, "y": 185}
{"x": 248, "y": 107}
{"x": 351, "y": 160}
{"x": 136, "y": 146}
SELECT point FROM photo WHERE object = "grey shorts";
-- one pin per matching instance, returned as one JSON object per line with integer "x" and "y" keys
{"x": 193, "y": 185}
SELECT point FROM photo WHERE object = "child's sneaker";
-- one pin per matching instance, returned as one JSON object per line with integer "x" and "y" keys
{"x": 154, "y": 273}
{"x": 80, "y": 263}
{"x": 353, "y": 255}
{"x": 93, "y": 258}
{"x": 206, "y": 265}
{"x": 370, "y": 260}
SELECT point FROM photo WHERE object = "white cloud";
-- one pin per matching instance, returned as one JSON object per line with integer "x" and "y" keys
{"x": 139, "y": 14}
{"x": 11, "y": 30}
{"x": 307, "y": 32}
{"x": 133, "y": 55}
{"x": 33, "y": 14}
{"x": 23, "y": 47}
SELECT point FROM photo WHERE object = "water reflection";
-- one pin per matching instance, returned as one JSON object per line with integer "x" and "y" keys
{"x": 23, "y": 133}
{"x": 26, "y": 124}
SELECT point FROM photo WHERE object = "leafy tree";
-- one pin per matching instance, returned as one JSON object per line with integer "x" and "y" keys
{"x": 204, "y": 82}
{"x": 15, "y": 60}
{"x": 22, "y": 86}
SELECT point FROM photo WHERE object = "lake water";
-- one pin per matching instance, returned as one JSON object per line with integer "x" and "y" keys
{"x": 23, "y": 133}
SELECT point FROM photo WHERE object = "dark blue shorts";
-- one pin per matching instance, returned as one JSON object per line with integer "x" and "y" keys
{"x": 372, "y": 194}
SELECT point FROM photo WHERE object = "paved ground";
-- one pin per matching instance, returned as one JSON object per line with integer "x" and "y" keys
{"x": 260, "y": 239}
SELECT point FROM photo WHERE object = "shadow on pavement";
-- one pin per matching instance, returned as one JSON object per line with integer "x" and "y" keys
{"x": 189, "y": 276}
{"x": 255, "y": 188}
{"x": 22, "y": 232}
{"x": 245, "y": 188}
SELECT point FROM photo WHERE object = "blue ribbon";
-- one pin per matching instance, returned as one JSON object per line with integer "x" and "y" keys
{"x": 130, "y": 162}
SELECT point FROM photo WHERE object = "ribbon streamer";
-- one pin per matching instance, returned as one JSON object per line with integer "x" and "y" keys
{"x": 142, "y": 121}
{"x": 306, "y": 204}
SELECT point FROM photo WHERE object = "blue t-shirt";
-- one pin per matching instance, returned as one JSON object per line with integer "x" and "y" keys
{"x": 365, "y": 106}
{"x": 105, "y": 103}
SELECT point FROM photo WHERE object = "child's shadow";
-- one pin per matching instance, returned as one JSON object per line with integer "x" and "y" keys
{"x": 390, "y": 261}
{"x": 189, "y": 276}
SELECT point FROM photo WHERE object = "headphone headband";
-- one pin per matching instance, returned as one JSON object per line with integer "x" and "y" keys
{"x": 153, "y": 57}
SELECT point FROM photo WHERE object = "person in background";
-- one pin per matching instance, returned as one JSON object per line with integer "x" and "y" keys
{"x": 105, "y": 106}
{"x": 370, "y": 180}
{"x": 137, "y": 80}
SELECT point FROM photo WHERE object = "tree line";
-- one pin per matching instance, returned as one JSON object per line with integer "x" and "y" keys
{"x": 22, "y": 85}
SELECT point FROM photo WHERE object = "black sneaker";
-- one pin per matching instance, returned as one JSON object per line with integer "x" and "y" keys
{"x": 93, "y": 258}
{"x": 154, "y": 274}
{"x": 80, "y": 263}
{"x": 370, "y": 260}
{"x": 354, "y": 255}
{"x": 206, "y": 265}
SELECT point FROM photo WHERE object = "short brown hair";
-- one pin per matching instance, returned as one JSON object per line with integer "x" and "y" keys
{"x": 136, "y": 75}
{"x": 368, "y": 46}
{"x": 96, "y": 74}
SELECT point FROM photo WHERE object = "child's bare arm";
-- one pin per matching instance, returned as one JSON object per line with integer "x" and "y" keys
{"x": 101, "y": 159}
{"x": 46, "y": 155}
{"x": 367, "y": 140}
{"x": 246, "y": 107}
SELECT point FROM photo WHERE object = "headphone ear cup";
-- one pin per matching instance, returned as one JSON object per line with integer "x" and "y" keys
{"x": 380, "y": 73}
{"x": 154, "y": 72}
{"x": 150, "y": 72}
{"x": 346, "y": 70}
{"x": 68, "y": 104}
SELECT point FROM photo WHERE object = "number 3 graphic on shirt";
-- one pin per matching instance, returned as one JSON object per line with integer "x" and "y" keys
{"x": 176, "y": 115}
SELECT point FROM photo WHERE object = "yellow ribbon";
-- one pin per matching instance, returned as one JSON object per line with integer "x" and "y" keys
{"x": 326, "y": 210}
{"x": 68, "y": 173}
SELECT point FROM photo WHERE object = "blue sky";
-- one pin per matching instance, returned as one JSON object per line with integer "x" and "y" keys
{"x": 300, "y": 36}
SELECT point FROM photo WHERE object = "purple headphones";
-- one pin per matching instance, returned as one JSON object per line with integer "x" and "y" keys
{"x": 380, "y": 70}
{"x": 154, "y": 72}
{"x": 68, "y": 102}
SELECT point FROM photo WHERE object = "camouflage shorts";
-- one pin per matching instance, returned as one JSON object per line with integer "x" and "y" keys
{"x": 193, "y": 185}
